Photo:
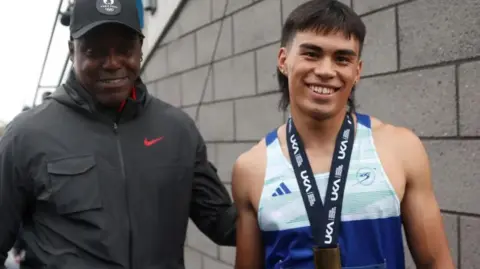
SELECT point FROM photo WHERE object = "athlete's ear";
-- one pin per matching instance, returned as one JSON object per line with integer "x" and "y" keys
{"x": 282, "y": 61}
{"x": 359, "y": 71}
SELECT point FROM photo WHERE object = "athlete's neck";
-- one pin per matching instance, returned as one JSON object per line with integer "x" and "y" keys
{"x": 318, "y": 134}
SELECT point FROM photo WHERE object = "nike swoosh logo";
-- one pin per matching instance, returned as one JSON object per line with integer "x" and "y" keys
{"x": 148, "y": 142}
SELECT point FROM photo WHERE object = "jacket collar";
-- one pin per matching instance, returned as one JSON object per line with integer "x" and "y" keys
{"x": 75, "y": 96}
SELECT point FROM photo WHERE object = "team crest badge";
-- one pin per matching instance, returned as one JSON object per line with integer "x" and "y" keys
{"x": 109, "y": 7}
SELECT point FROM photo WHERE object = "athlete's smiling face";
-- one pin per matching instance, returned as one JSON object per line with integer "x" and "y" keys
{"x": 106, "y": 62}
{"x": 321, "y": 71}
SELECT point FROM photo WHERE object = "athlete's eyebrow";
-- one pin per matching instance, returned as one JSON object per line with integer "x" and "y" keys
{"x": 346, "y": 52}
{"x": 343, "y": 52}
{"x": 308, "y": 46}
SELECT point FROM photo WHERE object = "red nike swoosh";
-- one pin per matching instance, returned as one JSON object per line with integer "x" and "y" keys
{"x": 148, "y": 143}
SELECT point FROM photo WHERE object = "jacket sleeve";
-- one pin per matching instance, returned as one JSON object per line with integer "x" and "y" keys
{"x": 13, "y": 192}
{"x": 211, "y": 207}
{"x": 19, "y": 243}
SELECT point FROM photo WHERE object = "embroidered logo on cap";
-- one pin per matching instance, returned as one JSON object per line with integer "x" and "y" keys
{"x": 109, "y": 7}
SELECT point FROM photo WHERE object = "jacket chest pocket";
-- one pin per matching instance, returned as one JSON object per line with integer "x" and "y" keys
{"x": 74, "y": 184}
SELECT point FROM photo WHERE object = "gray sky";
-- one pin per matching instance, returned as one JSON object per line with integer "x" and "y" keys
{"x": 26, "y": 28}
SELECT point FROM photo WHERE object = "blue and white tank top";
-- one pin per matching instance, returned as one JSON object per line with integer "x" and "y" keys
{"x": 370, "y": 231}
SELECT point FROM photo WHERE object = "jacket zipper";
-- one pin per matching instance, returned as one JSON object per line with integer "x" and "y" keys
{"x": 122, "y": 164}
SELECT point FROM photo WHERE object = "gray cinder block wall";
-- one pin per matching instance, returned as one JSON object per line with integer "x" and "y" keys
{"x": 422, "y": 71}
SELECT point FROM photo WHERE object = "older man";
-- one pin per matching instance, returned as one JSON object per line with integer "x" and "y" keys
{"x": 104, "y": 175}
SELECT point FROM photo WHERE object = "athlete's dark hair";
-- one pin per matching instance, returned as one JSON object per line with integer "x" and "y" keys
{"x": 321, "y": 16}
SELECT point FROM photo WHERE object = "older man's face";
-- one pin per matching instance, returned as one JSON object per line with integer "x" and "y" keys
{"x": 106, "y": 61}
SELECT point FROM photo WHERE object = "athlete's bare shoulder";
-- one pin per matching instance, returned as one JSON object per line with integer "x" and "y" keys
{"x": 252, "y": 161}
{"x": 248, "y": 173}
{"x": 399, "y": 138}
{"x": 401, "y": 145}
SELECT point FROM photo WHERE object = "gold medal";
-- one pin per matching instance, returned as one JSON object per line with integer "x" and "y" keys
{"x": 327, "y": 258}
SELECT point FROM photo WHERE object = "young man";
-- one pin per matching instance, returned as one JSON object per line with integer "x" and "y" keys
{"x": 331, "y": 188}
{"x": 104, "y": 175}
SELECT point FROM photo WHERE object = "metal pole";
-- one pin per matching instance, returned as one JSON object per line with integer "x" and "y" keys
{"x": 48, "y": 50}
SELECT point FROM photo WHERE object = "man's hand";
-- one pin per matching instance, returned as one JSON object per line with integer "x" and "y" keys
{"x": 18, "y": 256}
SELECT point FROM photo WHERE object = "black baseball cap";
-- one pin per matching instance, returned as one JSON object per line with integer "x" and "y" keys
{"x": 88, "y": 14}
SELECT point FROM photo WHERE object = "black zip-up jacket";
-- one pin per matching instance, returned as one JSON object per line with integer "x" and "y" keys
{"x": 100, "y": 189}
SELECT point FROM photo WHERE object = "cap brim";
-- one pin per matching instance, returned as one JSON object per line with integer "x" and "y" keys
{"x": 80, "y": 32}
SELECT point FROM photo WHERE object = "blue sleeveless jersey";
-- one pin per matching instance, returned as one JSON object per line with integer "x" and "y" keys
{"x": 371, "y": 230}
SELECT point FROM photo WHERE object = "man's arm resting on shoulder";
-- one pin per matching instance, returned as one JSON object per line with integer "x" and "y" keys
{"x": 211, "y": 209}
{"x": 13, "y": 193}
{"x": 420, "y": 211}
{"x": 249, "y": 251}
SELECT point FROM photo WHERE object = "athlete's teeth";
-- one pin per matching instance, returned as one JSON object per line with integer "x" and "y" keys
{"x": 321, "y": 90}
